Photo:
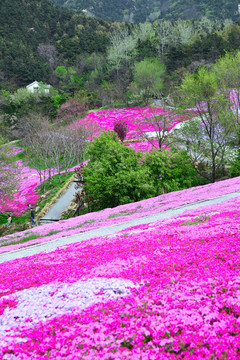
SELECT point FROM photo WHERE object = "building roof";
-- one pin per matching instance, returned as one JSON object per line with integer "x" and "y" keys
{"x": 38, "y": 84}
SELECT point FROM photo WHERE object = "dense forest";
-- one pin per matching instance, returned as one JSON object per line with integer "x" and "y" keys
{"x": 150, "y": 10}
{"x": 36, "y": 35}
{"x": 71, "y": 51}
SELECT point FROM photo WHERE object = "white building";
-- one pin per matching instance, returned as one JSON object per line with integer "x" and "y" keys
{"x": 37, "y": 87}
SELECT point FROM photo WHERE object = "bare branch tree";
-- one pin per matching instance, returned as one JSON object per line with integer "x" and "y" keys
{"x": 9, "y": 172}
{"x": 156, "y": 126}
{"x": 53, "y": 149}
{"x": 49, "y": 52}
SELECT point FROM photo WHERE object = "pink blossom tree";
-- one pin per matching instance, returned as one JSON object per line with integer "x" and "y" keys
{"x": 120, "y": 128}
{"x": 9, "y": 172}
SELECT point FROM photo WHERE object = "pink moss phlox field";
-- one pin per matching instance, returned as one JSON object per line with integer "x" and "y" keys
{"x": 14, "y": 150}
{"x": 121, "y": 213}
{"x": 25, "y": 193}
{"x": 134, "y": 118}
{"x": 145, "y": 146}
{"x": 185, "y": 304}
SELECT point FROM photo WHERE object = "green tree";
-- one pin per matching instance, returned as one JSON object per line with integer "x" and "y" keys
{"x": 212, "y": 129}
{"x": 115, "y": 174}
{"x": 61, "y": 72}
{"x": 171, "y": 170}
{"x": 228, "y": 78}
{"x": 148, "y": 77}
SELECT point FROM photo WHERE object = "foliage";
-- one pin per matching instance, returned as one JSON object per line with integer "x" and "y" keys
{"x": 148, "y": 77}
{"x": 52, "y": 149}
{"x": 89, "y": 53}
{"x": 71, "y": 110}
{"x": 9, "y": 172}
{"x": 26, "y": 35}
{"x": 235, "y": 165}
{"x": 226, "y": 70}
{"x": 149, "y": 10}
{"x": 171, "y": 170}
{"x": 210, "y": 132}
{"x": 114, "y": 174}
{"x": 117, "y": 175}
{"x": 23, "y": 103}
{"x": 61, "y": 72}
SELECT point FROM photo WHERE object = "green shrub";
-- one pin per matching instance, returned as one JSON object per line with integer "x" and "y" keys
{"x": 235, "y": 166}
{"x": 171, "y": 170}
{"x": 115, "y": 175}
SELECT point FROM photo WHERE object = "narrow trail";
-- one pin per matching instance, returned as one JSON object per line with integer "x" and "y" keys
{"x": 60, "y": 205}
{"x": 109, "y": 230}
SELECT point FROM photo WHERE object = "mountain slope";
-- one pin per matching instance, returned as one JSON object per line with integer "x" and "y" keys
{"x": 142, "y": 10}
{"x": 27, "y": 30}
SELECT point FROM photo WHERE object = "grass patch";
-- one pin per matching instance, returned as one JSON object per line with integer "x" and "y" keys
{"x": 122, "y": 213}
{"x": 124, "y": 234}
{"x": 25, "y": 217}
{"x": 85, "y": 223}
{"x": 23, "y": 240}
{"x": 199, "y": 220}
{"x": 30, "y": 237}
{"x": 53, "y": 233}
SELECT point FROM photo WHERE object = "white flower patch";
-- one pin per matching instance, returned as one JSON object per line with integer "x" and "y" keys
{"x": 47, "y": 301}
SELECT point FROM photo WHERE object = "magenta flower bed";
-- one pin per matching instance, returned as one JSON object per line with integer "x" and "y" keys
{"x": 165, "y": 290}
{"x": 25, "y": 194}
{"x": 134, "y": 118}
{"x": 120, "y": 214}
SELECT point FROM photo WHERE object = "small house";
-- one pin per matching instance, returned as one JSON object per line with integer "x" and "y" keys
{"x": 38, "y": 87}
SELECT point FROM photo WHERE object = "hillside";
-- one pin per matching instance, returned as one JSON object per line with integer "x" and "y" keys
{"x": 165, "y": 289}
{"x": 36, "y": 36}
{"x": 149, "y": 10}
{"x": 123, "y": 214}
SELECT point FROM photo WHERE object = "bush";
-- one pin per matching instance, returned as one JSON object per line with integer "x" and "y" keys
{"x": 115, "y": 174}
{"x": 171, "y": 171}
{"x": 235, "y": 166}
{"x": 118, "y": 175}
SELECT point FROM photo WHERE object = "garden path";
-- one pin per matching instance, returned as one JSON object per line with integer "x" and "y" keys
{"x": 104, "y": 231}
{"x": 60, "y": 205}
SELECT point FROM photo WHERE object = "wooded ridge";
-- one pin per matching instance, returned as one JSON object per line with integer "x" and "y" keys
{"x": 150, "y": 10}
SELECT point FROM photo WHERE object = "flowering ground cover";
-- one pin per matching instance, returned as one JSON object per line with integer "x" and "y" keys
{"x": 135, "y": 118}
{"x": 144, "y": 146}
{"x": 117, "y": 215}
{"x": 163, "y": 290}
{"x": 25, "y": 194}
{"x": 28, "y": 179}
